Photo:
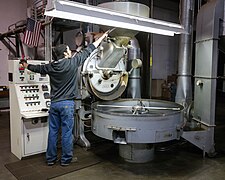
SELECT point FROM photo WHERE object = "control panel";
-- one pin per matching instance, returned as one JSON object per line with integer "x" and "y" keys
{"x": 21, "y": 75}
{"x": 29, "y": 105}
{"x": 34, "y": 99}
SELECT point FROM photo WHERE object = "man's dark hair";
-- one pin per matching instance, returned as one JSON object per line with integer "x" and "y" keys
{"x": 59, "y": 51}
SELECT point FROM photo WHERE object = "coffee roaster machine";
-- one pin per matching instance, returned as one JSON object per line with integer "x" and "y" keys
{"x": 134, "y": 123}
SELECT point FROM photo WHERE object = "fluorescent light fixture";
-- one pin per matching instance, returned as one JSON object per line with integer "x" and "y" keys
{"x": 102, "y": 16}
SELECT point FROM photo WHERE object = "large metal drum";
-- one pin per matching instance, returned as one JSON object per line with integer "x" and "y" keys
{"x": 129, "y": 8}
{"x": 136, "y": 124}
{"x": 137, "y": 121}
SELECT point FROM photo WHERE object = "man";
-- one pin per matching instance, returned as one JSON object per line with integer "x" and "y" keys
{"x": 63, "y": 77}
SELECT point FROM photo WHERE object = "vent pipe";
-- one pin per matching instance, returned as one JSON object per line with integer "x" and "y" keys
{"x": 184, "y": 88}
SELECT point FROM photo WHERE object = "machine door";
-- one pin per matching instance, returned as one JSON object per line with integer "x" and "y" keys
{"x": 35, "y": 135}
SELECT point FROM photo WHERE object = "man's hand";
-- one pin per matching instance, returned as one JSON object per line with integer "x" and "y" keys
{"x": 99, "y": 37}
{"x": 23, "y": 63}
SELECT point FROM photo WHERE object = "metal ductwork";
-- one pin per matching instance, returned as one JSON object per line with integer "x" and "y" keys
{"x": 134, "y": 80}
{"x": 184, "y": 87}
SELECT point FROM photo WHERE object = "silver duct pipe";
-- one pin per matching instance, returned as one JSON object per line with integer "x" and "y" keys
{"x": 134, "y": 82}
{"x": 184, "y": 88}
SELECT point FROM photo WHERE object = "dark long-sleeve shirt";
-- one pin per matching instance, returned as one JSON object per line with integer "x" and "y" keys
{"x": 63, "y": 74}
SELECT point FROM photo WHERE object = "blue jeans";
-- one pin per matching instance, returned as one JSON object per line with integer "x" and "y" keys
{"x": 61, "y": 114}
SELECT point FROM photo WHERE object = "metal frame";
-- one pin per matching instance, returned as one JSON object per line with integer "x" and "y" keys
{"x": 207, "y": 38}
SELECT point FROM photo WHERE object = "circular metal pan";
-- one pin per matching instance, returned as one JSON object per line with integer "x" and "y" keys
{"x": 137, "y": 107}
{"x": 128, "y": 121}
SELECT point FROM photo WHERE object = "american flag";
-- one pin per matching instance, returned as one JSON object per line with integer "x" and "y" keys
{"x": 32, "y": 33}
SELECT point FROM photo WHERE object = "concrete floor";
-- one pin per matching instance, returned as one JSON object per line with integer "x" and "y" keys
{"x": 181, "y": 161}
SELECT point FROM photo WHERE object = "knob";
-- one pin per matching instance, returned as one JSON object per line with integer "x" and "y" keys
{"x": 199, "y": 83}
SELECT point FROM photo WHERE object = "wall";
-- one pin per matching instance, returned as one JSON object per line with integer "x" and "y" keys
{"x": 165, "y": 48}
{"x": 11, "y": 12}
